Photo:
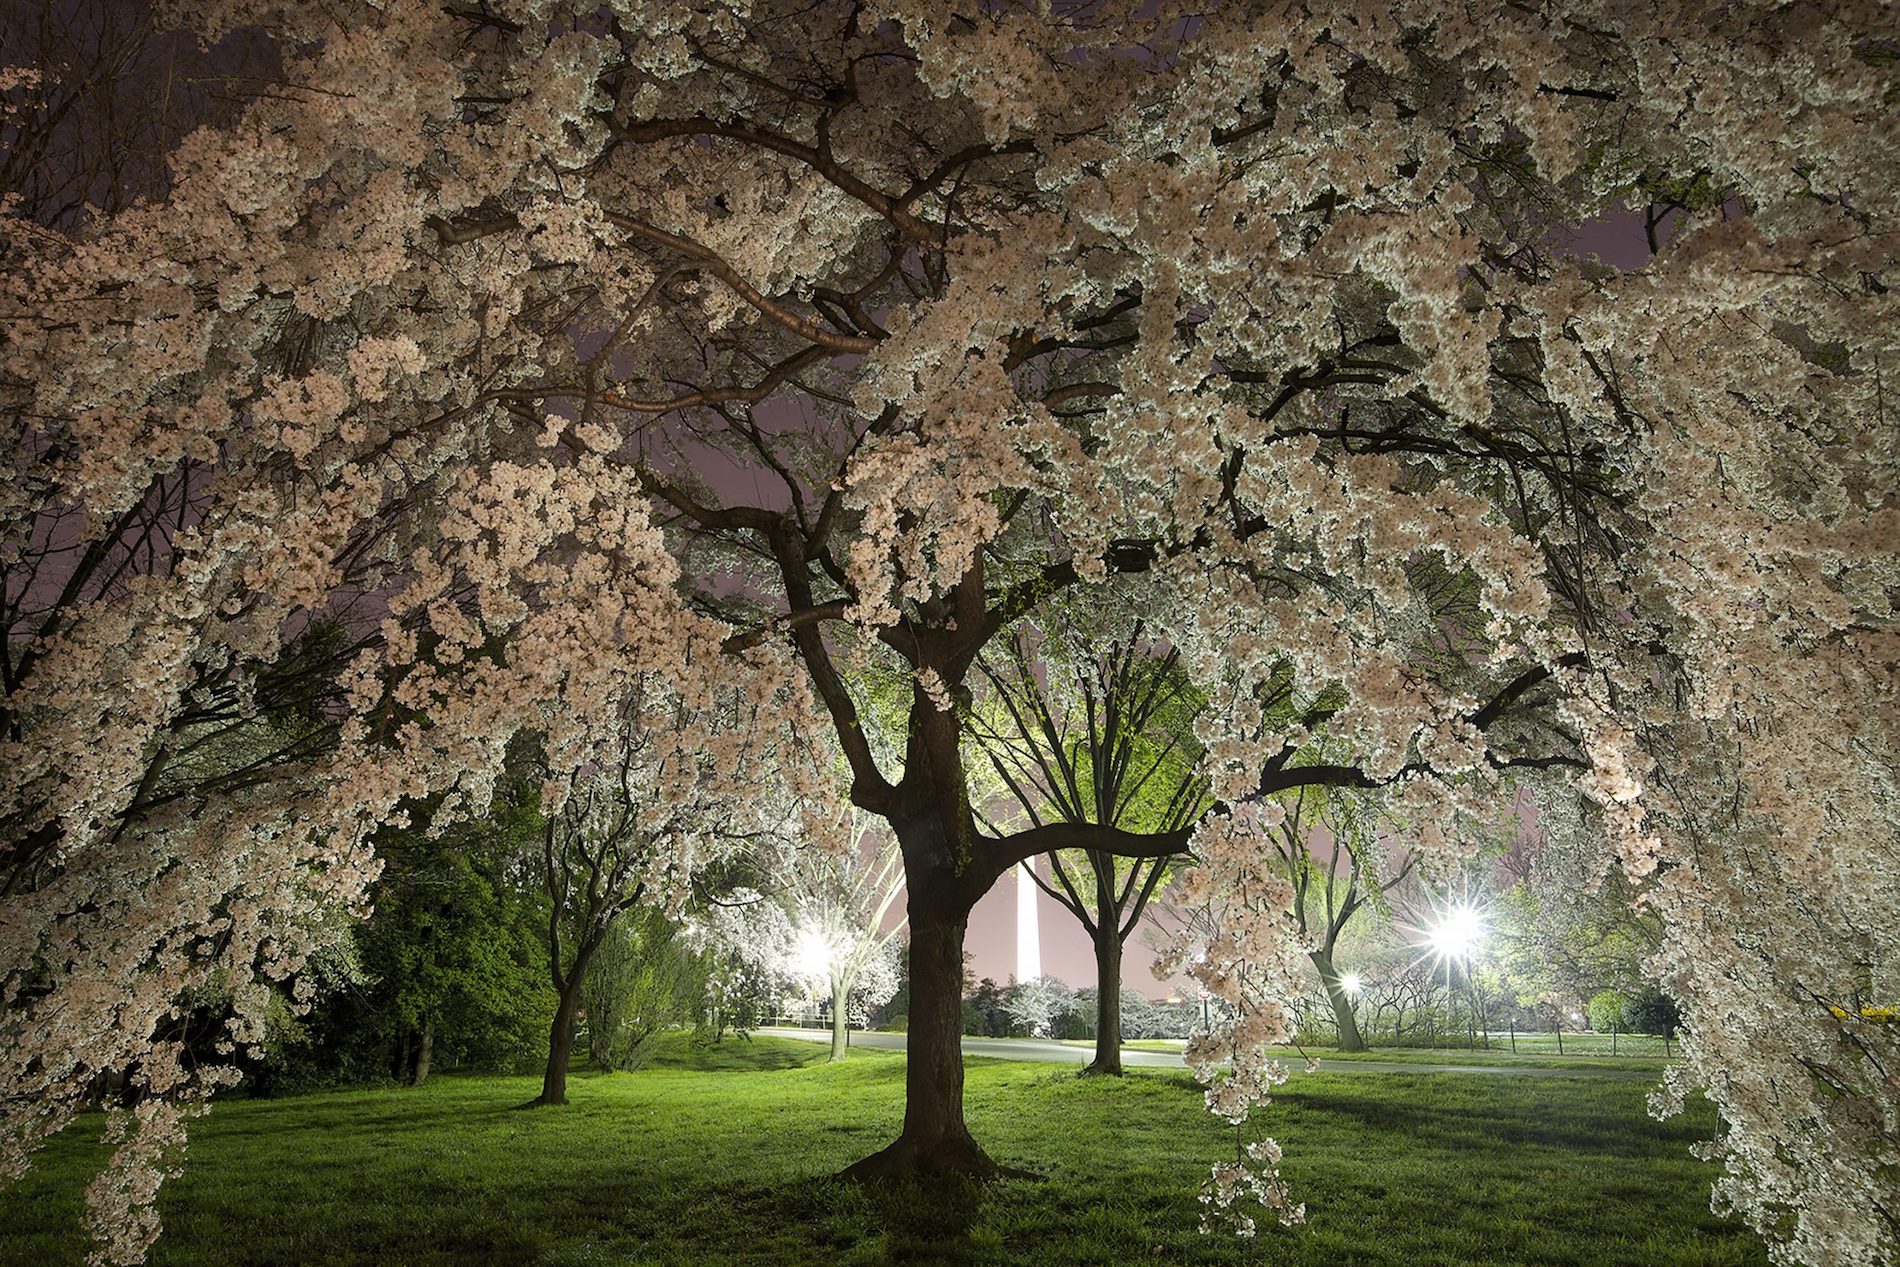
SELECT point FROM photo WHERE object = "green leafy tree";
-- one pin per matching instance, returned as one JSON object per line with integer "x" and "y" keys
{"x": 1605, "y": 1010}
{"x": 1650, "y": 1011}
{"x": 644, "y": 980}
{"x": 1564, "y": 936}
{"x": 983, "y": 1013}
{"x": 452, "y": 947}
{"x": 449, "y": 968}
{"x": 1102, "y": 737}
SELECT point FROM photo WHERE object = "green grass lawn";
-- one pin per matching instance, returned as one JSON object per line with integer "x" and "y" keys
{"x": 1128, "y": 1044}
{"x": 722, "y": 1155}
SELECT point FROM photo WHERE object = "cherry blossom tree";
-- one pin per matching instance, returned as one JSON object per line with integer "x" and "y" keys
{"x": 677, "y": 794}
{"x": 1036, "y": 1004}
{"x": 837, "y": 896}
{"x": 542, "y": 347}
{"x": 752, "y": 951}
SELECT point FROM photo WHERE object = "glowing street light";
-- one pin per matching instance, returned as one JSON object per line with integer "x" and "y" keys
{"x": 812, "y": 954}
{"x": 1452, "y": 939}
{"x": 1457, "y": 934}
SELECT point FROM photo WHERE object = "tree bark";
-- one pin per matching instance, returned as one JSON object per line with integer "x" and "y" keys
{"x": 1349, "y": 1036}
{"x": 427, "y": 1054}
{"x": 944, "y": 875}
{"x": 934, "y": 1139}
{"x": 840, "y": 991}
{"x": 1108, "y": 1001}
{"x": 561, "y": 1032}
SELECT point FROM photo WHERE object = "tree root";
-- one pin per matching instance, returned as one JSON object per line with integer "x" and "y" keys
{"x": 953, "y": 1156}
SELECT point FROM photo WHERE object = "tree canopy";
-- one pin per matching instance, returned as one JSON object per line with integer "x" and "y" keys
{"x": 561, "y": 356}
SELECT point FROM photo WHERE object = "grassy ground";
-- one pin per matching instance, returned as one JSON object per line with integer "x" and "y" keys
{"x": 720, "y": 1156}
{"x": 1585, "y": 1044}
{"x": 1129, "y": 1044}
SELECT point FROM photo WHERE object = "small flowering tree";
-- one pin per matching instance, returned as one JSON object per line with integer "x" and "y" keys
{"x": 659, "y": 807}
{"x": 541, "y": 346}
{"x": 1037, "y": 1004}
{"x": 838, "y": 896}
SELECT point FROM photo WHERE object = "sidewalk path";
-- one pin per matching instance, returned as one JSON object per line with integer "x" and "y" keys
{"x": 1062, "y": 1053}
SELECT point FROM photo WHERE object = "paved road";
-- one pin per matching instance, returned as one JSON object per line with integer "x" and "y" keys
{"x": 1001, "y": 1048}
{"x": 1062, "y": 1053}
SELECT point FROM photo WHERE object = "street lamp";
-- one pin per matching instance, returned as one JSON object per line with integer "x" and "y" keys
{"x": 1457, "y": 933}
{"x": 811, "y": 953}
{"x": 1454, "y": 938}
{"x": 813, "y": 957}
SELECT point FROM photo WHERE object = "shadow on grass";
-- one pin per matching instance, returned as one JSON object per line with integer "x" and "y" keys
{"x": 1457, "y": 1127}
{"x": 929, "y": 1224}
{"x": 734, "y": 1055}
{"x": 924, "y": 1224}
{"x": 406, "y": 1120}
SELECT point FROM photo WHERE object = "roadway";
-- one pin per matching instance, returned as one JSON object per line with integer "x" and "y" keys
{"x": 1042, "y": 1050}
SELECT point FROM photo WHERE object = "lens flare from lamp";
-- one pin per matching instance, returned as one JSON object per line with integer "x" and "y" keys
{"x": 1457, "y": 933}
{"x": 812, "y": 953}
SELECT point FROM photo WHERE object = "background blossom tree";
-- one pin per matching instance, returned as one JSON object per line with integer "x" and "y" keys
{"x": 673, "y": 797}
{"x": 463, "y": 339}
{"x": 838, "y": 896}
{"x": 1037, "y": 1004}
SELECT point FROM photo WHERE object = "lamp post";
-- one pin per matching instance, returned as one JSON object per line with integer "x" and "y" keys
{"x": 815, "y": 959}
{"x": 1453, "y": 939}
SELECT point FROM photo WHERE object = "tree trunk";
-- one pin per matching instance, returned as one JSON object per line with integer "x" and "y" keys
{"x": 934, "y": 826}
{"x": 935, "y": 1139}
{"x": 1108, "y": 1001}
{"x": 427, "y": 1054}
{"x": 1349, "y": 1036}
{"x": 840, "y": 991}
{"x": 561, "y": 1033}
{"x": 560, "y": 1050}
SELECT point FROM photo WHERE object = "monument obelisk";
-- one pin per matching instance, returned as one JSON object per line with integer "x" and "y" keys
{"x": 1028, "y": 935}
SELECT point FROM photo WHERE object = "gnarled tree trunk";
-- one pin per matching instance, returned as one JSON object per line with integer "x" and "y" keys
{"x": 934, "y": 1139}
{"x": 942, "y": 887}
